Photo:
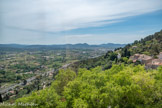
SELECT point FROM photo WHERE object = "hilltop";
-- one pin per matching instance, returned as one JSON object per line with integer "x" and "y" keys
{"x": 150, "y": 45}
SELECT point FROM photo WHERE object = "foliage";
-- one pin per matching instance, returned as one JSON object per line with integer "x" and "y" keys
{"x": 150, "y": 45}
{"x": 119, "y": 87}
{"x": 104, "y": 61}
{"x": 62, "y": 80}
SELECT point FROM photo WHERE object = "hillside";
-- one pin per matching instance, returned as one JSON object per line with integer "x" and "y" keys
{"x": 150, "y": 45}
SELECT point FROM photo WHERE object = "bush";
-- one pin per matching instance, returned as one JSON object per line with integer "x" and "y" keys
{"x": 119, "y": 87}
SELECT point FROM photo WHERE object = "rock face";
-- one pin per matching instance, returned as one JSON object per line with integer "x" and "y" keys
{"x": 160, "y": 56}
{"x": 119, "y": 56}
{"x": 148, "y": 61}
{"x": 154, "y": 63}
{"x": 144, "y": 59}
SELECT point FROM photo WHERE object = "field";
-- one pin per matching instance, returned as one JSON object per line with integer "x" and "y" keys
{"x": 24, "y": 70}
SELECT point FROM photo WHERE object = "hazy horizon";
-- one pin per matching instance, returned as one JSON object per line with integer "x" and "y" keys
{"x": 61, "y": 44}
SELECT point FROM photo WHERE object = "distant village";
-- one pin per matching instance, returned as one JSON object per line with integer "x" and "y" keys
{"x": 148, "y": 61}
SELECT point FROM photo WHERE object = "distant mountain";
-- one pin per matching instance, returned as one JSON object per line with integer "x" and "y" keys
{"x": 12, "y": 45}
{"x": 112, "y": 45}
{"x": 80, "y": 45}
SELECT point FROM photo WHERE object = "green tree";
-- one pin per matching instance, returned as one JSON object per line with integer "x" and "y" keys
{"x": 18, "y": 77}
{"x": 122, "y": 86}
{"x": 62, "y": 80}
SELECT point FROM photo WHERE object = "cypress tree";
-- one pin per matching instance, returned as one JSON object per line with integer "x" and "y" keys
{"x": 1, "y": 100}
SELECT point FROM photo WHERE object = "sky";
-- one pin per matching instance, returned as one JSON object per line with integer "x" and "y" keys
{"x": 78, "y": 21}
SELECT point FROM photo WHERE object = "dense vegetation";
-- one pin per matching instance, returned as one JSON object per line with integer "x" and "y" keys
{"x": 150, "y": 45}
{"x": 119, "y": 87}
{"x": 105, "y": 61}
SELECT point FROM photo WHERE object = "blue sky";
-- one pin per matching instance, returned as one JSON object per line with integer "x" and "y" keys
{"x": 78, "y": 21}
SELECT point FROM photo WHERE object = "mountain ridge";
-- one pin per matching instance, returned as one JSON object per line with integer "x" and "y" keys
{"x": 79, "y": 45}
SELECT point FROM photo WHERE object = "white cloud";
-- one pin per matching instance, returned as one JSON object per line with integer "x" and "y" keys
{"x": 62, "y": 15}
